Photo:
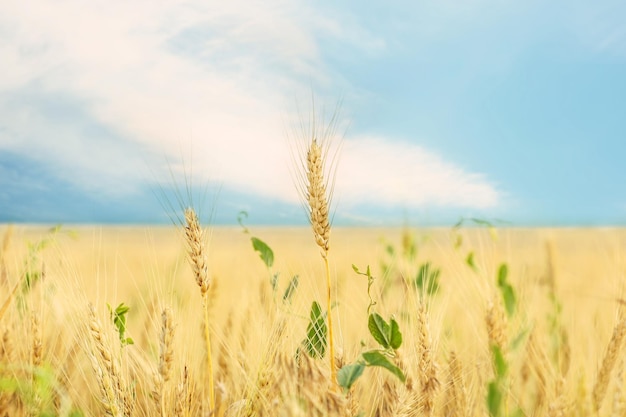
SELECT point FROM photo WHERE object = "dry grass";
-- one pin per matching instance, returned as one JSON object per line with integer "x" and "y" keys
{"x": 59, "y": 355}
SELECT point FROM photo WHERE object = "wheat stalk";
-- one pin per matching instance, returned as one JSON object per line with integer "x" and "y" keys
{"x": 608, "y": 363}
{"x": 197, "y": 255}
{"x": 619, "y": 407}
{"x": 496, "y": 326}
{"x": 558, "y": 407}
{"x": 104, "y": 367}
{"x": 36, "y": 352}
{"x": 184, "y": 395}
{"x": 427, "y": 365}
{"x": 318, "y": 215}
{"x": 539, "y": 363}
{"x": 166, "y": 357}
{"x": 456, "y": 403}
{"x": 390, "y": 403}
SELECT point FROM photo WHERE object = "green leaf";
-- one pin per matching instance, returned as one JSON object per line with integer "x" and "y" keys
{"x": 507, "y": 291}
{"x": 380, "y": 330}
{"x": 427, "y": 278}
{"x": 375, "y": 358}
{"x": 291, "y": 289}
{"x": 508, "y": 295}
{"x": 30, "y": 279}
{"x": 265, "y": 252}
{"x": 470, "y": 260}
{"x": 367, "y": 273}
{"x": 119, "y": 321}
{"x": 499, "y": 363}
{"x": 433, "y": 282}
{"x": 316, "y": 342}
{"x": 421, "y": 275}
{"x": 348, "y": 375}
{"x": 396, "y": 337}
{"x": 121, "y": 310}
{"x": 494, "y": 399}
{"x": 503, "y": 271}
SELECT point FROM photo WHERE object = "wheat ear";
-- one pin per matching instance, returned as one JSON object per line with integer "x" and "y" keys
{"x": 496, "y": 326}
{"x": 37, "y": 346}
{"x": 610, "y": 358}
{"x": 105, "y": 368}
{"x": 166, "y": 357}
{"x": 318, "y": 215}
{"x": 184, "y": 394}
{"x": 457, "y": 401}
{"x": 197, "y": 256}
{"x": 427, "y": 365}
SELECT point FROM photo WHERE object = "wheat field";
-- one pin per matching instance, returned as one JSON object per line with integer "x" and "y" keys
{"x": 470, "y": 348}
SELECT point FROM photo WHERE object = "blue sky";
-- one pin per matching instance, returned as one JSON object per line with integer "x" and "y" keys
{"x": 493, "y": 109}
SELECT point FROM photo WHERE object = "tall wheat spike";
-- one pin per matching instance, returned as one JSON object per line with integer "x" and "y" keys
{"x": 318, "y": 215}
{"x": 166, "y": 358}
{"x": 105, "y": 368}
{"x": 608, "y": 363}
{"x": 427, "y": 365}
{"x": 197, "y": 255}
{"x": 315, "y": 182}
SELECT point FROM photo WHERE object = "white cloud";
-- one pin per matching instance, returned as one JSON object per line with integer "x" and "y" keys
{"x": 390, "y": 173}
{"x": 212, "y": 77}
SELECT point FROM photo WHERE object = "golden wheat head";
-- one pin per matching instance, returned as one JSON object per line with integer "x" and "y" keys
{"x": 197, "y": 252}
{"x": 316, "y": 197}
